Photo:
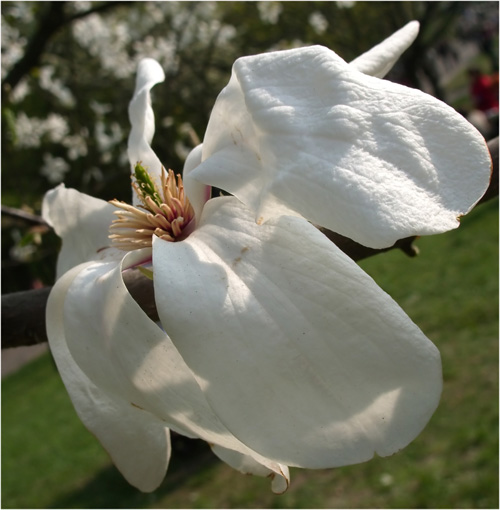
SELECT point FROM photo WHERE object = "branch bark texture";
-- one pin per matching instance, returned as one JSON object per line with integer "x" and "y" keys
{"x": 23, "y": 313}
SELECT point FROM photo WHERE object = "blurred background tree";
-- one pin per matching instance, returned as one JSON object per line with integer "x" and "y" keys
{"x": 68, "y": 75}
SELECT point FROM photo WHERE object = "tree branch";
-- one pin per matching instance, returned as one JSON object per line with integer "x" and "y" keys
{"x": 25, "y": 216}
{"x": 23, "y": 313}
{"x": 51, "y": 20}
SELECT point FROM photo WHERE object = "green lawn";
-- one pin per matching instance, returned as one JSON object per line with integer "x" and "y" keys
{"x": 451, "y": 291}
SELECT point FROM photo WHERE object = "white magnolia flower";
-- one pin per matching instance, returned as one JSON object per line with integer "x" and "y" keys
{"x": 280, "y": 350}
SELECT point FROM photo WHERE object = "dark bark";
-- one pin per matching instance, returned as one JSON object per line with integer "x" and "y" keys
{"x": 23, "y": 313}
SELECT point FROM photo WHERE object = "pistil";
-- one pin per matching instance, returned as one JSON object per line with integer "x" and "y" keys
{"x": 164, "y": 211}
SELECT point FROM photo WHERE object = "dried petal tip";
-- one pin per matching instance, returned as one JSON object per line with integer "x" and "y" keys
{"x": 165, "y": 212}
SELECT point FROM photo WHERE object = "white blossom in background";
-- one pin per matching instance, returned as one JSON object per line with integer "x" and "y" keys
{"x": 206, "y": 30}
{"x": 76, "y": 144}
{"x": 181, "y": 148}
{"x": 81, "y": 5}
{"x": 101, "y": 109}
{"x": 94, "y": 173}
{"x": 13, "y": 45}
{"x": 345, "y": 4}
{"x": 106, "y": 142}
{"x": 109, "y": 42}
{"x": 22, "y": 11}
{"x": 56, "y": 127}
{"x": 162, "y": 49}
{"x": 54, "y": 168}
{"x": 30, "y": 130}
{"x": 226, "y": 34}
{"x": 386, "y": 479}
{"x": 318, "y": 22}
{"x": 274, "y": 346}
{"x": 22, "y": 250}
{"x": 270, "y": 12}
{"x": 55, "y": 86}
{"x": 198, "y": 26}
{"x": 106, "y": 41}
{"x": 21, "y": 90}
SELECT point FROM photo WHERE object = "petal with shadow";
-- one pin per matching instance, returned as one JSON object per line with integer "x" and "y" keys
{"x": 82, "y": 222}
{"x": 131, "y": 359}
{"x": 302, "y": 132}
{"x": 137, "y": 441}
{"x": 297, "y": 350}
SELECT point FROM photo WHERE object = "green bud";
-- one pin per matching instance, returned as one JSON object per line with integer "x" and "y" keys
{"x": 145, "y": 184}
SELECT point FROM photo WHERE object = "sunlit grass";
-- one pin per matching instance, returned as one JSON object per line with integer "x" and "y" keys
{"x": 451, "y": 291}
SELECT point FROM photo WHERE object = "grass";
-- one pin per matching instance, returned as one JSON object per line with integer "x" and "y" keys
{"x": 451, "y": 291}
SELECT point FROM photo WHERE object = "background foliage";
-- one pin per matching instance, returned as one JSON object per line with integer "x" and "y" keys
{"x": 67, "y": 77}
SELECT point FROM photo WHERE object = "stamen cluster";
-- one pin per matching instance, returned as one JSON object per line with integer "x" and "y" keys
{"x": 164, "y": 211}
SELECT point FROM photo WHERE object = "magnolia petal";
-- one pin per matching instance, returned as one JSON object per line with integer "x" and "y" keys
{"x": 279, "y": 473}
{"x": 379, "y": 60}
{"x": 82, "y": 222}
{"x": 197, "y": 192}
{"x": 141, "y": 116}
{"x": 301, "y": 132}
{"x": 299, "y": 353}
{"x": 128, "y": 357}
{"x": 137, "y": 441}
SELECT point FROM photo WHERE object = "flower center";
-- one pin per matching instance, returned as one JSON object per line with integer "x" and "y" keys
{"x": 164, "y": 211}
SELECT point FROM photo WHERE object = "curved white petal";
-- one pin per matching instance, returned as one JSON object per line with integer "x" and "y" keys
{"x": 197, "y": 192}
{"x": 301, "y": 132}
{"x": 131, "y": 360}
{"x": 299, "y": 353}
{"x": 82, "y": 222}
{"x": 141, "y": 116}
{"x": 137, "y": 441}
{"x": 248, "y": 466}
{"x": 379, "y": 60}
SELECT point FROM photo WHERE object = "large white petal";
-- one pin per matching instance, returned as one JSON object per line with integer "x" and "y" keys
{"x": 142, "y": 119}
{"x": 132, "y": 360}
{"x": 137, "y": 441}
{"x": 301, "y": 355}
{"x": 197, "y": 192}
{"x": 82, "y": 222}
{"x": 379, "y": 60}
{"x": 302, "y": 132}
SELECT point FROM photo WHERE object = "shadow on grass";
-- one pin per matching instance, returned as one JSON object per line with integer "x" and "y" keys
{"x": 108, "y": 489}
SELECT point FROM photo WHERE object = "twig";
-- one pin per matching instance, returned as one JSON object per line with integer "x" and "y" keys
{"x": 23, "y": 215}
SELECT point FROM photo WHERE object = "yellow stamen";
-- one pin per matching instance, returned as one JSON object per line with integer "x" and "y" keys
{"x": 135, "y": 226}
